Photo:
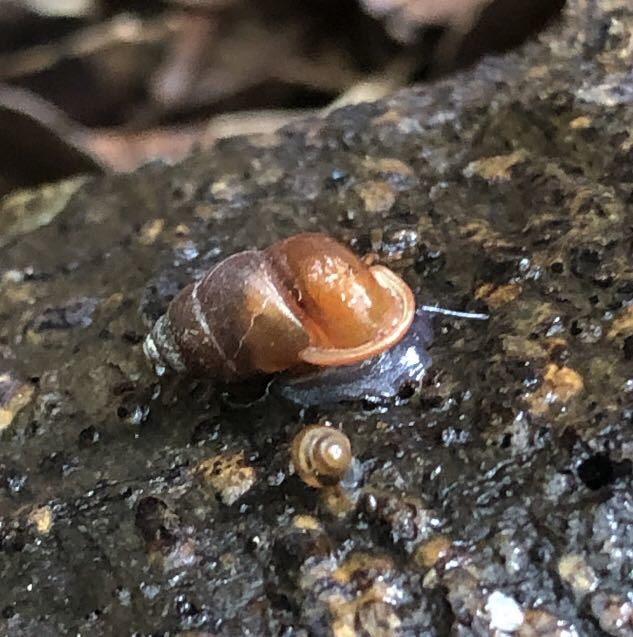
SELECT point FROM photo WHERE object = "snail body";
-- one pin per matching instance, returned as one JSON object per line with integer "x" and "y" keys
{"x": 304, "y": 301}
{"x": 377, "y": 379}
{"x": 321, "y": 455}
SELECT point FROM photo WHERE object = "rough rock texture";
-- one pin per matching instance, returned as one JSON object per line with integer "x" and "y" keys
{"x": 498, "y": 501}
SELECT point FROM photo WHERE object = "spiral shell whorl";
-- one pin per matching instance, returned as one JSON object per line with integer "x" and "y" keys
{"x": 321, "y": 455}
{"x": 161, "y": 348}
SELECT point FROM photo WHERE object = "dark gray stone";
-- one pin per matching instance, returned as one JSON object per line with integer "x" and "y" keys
{"x": 512, "y": 194}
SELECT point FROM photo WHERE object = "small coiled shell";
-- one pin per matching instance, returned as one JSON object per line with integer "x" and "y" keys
{"x": 321, "y": 455}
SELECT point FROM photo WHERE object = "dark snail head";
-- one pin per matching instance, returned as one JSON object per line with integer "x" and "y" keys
{"x": 321, "y": 455}
{"x": 306, "y": 299}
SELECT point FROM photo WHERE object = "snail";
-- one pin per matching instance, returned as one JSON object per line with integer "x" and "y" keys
{"x": 321, "y": 455}
{"x": 307, "y": 309}
{"x": 304, "y": 300}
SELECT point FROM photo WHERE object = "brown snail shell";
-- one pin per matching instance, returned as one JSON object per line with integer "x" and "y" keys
{"x": 305, "y": 299}
{"x": 321, "y": 455}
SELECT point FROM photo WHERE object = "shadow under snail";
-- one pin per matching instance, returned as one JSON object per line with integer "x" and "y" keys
{"x": 307, "y": 309}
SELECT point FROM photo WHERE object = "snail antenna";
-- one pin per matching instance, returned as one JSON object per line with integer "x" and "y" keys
{"x": 434, "y": 309}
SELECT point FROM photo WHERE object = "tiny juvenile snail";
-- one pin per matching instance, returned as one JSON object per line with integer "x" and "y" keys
{"x": 303, "y": 301}
{"x": 321, "y": 455}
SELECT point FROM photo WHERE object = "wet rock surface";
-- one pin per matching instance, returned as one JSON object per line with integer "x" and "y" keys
{"x": 496, "y": 501}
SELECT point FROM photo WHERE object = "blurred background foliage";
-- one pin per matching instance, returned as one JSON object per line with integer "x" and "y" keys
{"x": 94, "y": 85}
